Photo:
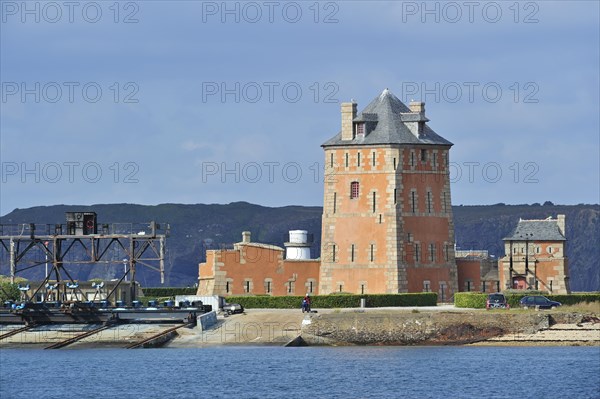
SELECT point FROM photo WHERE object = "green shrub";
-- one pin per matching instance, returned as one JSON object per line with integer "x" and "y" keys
{"x": 565, "y": 299}
{"x": 9, "y": 291}
{"x": 169, "y": 292}
{"x": 470, "y": 300}
{"x": 514, "y": 299}
{"x": 412, "y": 299}
{"x": 573, "y": 299}
{"x": 336, "y": 300}
{"x": 477, "y": 300}
{"x": 266, "y": 301}
{"x": 520, "y": 292}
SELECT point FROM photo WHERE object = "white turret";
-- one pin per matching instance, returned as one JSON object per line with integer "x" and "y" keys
{"x": 298, "y": 247}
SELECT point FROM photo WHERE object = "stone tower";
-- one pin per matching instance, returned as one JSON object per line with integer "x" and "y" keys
{"x": 387, "y": 215}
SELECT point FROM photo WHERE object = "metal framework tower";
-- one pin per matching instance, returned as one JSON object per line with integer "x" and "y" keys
{"x": 142, "y": 244}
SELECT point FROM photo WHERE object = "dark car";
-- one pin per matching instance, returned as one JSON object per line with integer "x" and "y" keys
{"x": 538, "y": 301}
{"x": 233, "y": 308}
{"x": 496, "y": 301}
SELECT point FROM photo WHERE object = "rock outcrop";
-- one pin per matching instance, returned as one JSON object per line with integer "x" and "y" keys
{"x": 432, "y": 328}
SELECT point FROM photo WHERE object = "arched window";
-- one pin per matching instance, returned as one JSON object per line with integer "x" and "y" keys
{"x": 354, "y": 188}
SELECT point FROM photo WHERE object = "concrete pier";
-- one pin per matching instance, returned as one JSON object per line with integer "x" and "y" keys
{"x": 254, "y": 327}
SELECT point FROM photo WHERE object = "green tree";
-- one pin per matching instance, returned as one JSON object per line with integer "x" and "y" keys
{"x": 9, "y": 291}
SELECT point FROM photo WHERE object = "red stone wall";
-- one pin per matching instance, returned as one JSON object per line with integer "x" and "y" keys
{"x": 469, "y": 269}
{"x": 256, "y": 269}
{"x": 351, "y": 222}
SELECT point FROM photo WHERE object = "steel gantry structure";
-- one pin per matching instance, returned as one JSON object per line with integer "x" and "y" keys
{"x": 142, "y": 244}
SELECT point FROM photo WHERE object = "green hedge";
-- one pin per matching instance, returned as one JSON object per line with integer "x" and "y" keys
{"x": 477, "y": 300}
{"x": 162, "y": 292}
{"x": 573, "y": 299}
{"x": 565, "y": 299}
{"x": 470, "y": 300}
{"x": 335, "y": 300}
{"x": 414, "y": 299}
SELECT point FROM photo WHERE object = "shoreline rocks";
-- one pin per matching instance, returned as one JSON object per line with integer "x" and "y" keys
{"x": 435, "y": 328}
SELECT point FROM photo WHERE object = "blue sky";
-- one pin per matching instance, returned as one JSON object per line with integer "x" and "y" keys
{"x": 209, "y": 102}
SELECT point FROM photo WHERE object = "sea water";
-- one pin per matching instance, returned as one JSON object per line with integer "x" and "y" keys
{"x": 308, "y": 372}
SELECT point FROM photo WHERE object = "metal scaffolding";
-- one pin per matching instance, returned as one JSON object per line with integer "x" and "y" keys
{"x": 142, "y": 244}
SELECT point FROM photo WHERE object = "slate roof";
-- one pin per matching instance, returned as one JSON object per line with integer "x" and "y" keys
{"x": 385, "y": 117}
{"x": 536, "y": 230}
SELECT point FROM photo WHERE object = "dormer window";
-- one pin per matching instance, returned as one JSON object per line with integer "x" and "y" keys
{"x": 360, "y": 129}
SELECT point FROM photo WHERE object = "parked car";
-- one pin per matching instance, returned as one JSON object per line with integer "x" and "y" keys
{"x": 538, "y": 301}
{"x": 496, "y": 301}
{"x": 232, "y": 308}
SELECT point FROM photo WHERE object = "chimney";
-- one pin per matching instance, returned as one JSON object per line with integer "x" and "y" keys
{"x": 560, "y": 221}
{"x": 417, "y": 107}
{"x": 416, "y": 126}
{"x": 246, "y": 237}
{"x": 348, "y": 114}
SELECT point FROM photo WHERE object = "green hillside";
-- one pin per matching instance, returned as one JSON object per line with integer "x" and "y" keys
{"x": 195, "y": 228}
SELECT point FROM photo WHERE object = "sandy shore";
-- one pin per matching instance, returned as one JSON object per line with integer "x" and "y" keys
{"x": 581, "y": 334}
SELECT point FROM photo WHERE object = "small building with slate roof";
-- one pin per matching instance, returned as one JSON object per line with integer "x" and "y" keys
{"x": 535, "y": 256}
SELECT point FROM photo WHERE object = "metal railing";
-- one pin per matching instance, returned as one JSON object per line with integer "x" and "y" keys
{"x": 51, "y": 229}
